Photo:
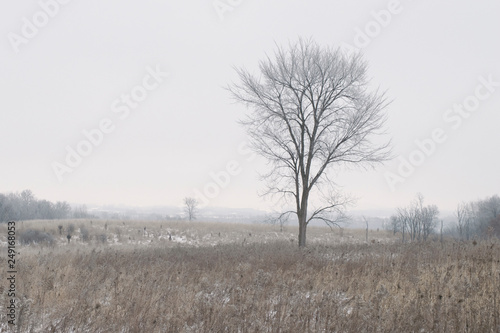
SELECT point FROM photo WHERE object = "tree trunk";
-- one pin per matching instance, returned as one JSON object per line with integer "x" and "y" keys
{"x": 302, "y": 231}
{"x": 441, "y": 236}
{"x": 366, "y": 236}
{"x": 302, "y": 215}
{"x": 302, "y": 226}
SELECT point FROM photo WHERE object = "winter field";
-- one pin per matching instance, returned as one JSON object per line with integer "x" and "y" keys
{"x": 143, "y": 276}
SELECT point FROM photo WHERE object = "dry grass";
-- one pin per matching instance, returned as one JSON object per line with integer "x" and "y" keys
{"x": 209, "y": 283}
{"x": 186, "y": 233}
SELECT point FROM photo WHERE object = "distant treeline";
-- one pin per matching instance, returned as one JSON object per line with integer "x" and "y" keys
{"x": 24, "y": 206}
{"x": 475, "y": 219}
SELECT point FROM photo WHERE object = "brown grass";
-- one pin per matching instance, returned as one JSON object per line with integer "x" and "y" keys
{"x": 265, "y": 284}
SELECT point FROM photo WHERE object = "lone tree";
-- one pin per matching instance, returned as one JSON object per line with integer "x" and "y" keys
{"x": 191, "y": 205}
{"x": 310, "y": 110}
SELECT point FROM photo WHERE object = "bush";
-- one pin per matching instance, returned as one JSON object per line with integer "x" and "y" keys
{"x": 32, "y": 236}
{"x": 71, "y": 228}
{"x": 118, "y": 233}
{"x": 84, "y": 233}
{"x": 102, "y": 238}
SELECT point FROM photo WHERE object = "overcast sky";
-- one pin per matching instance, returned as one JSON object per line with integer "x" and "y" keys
{"x": 101, "y": 68}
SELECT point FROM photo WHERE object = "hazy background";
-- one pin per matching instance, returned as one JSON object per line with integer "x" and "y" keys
{"x": 65, "y": 79}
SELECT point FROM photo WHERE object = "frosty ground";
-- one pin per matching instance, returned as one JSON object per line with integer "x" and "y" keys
{"x": 138, "y": 276}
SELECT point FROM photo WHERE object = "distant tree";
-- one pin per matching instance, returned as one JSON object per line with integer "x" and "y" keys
{"x": 490, "y": 207}
{"x": 477, "y": 218}
{"x": 407, "y": 218}
{"x": 487, "y": 211}
{"x": 24, "y": 206}
{"x": 191, "y": 207}
{"x": 311, "y": 111}
{"x": 63, "y": 209}
{"x": 426, "y": 216}
{"x": 465, "y": 217}
{"x": 495, "y": 226}
{"x": 394, "y": 224}
{"x": 45, "y": 210}
{"x": 366, "y": 234}
{"x": 15, "y": 206}
{"x": 278, "y": 219}
{"x": 429, "y": 220}
{"x": 81, "y": 212}
{"x": 6, "y": 210}
{"x": 417, "y": 221}
{"x": 29, "y": 203}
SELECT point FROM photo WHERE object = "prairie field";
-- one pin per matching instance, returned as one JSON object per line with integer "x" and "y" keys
{"x": 143, "y": 276}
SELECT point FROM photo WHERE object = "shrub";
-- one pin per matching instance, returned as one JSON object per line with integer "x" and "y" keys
{"x": 84, "y": 233}
{"x": 102, "y": 238}
{"x": 32, "y": 236}
{"x": 118, "y": 233}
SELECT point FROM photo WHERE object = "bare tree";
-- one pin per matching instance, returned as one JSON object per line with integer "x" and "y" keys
{"x": 394, "y": 224}
{"x": 464, "y": 215}
{"x": 475, "y": 218}
{"x": 191, "y": 207}
{"x": 366, "y": 222}
{"x": 81, "y": 212}
{"x": 310, "y": 110}
{"x": 280, "y": 219}
{"x": 429, "y": 220}
{"x": 486, "y": 211}
{"x": 490, "y": 207}
{"x": 29, "y": 202}
{"x": 410, "y": 217}
{"x": 495, "y": 226}
{"x": 406, "y": 218}
{"x": 441, "y": 231}
{"x": 418, "y": 220}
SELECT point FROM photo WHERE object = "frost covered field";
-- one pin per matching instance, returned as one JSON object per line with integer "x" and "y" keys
{"x": 116, "y": 276}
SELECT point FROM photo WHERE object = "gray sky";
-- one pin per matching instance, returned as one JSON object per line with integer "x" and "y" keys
{"x": 70, "y": 68}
